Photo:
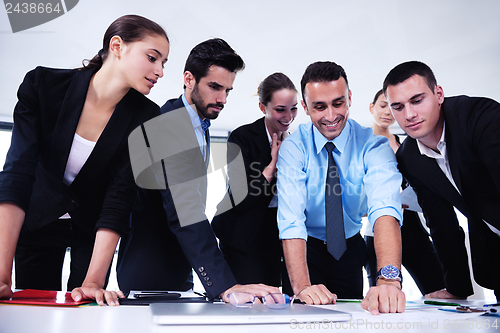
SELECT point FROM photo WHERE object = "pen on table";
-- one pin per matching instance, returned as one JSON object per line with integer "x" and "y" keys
{"x": 441, "y": 303}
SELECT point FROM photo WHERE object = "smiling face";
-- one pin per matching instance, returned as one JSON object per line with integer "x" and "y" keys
{"x": 328, "y": 103}
{"x": 417, "y": 109}
{"x": 381, "y": 112}
{"x": 280, "y": 111}
{"x": 142, "y": 62}
{"x": 210, "y": 94}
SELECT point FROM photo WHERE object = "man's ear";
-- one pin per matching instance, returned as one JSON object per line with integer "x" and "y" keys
{"x": 439, "y": 92}
{"x": 189, "y": 80}
{"x": 305, "y": 107}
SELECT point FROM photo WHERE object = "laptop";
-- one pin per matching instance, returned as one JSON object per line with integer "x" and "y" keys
{"x": 223, "y": 313}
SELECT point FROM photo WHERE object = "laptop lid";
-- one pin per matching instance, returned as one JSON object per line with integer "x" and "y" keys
{"x": 222, "y": 313}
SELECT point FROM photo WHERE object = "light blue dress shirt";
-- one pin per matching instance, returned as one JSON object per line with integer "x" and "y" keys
{"x": 369, "y": 179}
{"x": 198, "y": 129}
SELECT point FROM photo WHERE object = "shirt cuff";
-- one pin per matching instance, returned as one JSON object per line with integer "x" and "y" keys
{"x": 389, "y": 211}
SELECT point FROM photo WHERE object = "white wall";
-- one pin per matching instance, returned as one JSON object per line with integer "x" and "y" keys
{"x": 459, "y": 39}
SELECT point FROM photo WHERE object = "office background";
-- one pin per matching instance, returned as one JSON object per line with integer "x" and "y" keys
{"x": 459, "y": 39}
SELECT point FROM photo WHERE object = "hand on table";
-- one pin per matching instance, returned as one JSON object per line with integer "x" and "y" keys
{"x": 316, "y": 294}
{"x": 384, "y": 298}
{"x": 443, "y": 293}
{"x": 254, "y": 289}
{"x": 92, "y": 291}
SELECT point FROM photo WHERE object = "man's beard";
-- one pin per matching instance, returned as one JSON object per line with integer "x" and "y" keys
{"x": 201, "y": 108}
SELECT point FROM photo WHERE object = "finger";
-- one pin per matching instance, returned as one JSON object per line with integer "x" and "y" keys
{"x": 272, "y": 290}
{"x": 401, "y": 302}
{"x": 364, "y": 302}
{"x": 326, "y": 297}
{"x": 77, "y": 294}
{"x": 99, "y": 297}
{"x": 111, "y": 298}
{"x": 320, "y": 294}
{"x": 383, "y": 303}
{"x": 263, "y": 290}
{"x": 120, "y": 294}
{"x": 310, "y": 297}
{"x": 393, "y": 301}
{"x": 373, "y": 303}
{"x": 306, "y": 297}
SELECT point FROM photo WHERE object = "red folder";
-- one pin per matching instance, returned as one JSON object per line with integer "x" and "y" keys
{"x": 43, "y": 297}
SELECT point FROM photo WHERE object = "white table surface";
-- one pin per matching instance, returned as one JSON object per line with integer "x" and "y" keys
{"x": 137, "y": 319}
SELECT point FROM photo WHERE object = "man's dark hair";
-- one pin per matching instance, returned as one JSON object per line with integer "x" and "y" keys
{"x": 322, "y": 71}
{"x": 212, "y": 52}
{"x": 404, "y": 71}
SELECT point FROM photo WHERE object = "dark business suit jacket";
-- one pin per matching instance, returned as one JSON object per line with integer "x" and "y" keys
{"x": 45, "y": 121}
{"x": 158, "y": 253}
{"x": 472, "y": 135}
{"x": 239, "y": 226}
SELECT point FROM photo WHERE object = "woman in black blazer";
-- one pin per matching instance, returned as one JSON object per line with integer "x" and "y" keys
{"x": 67, "y": 179}
{"x": 248, "y": 233}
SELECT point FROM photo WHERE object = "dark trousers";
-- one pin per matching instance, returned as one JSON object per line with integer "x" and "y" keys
{"x": 418, "y": 255}
{"x": 151, "y": 258}
{"x": 263, "y": 262}
{"x": 343, "y": 277}
{"x": 40, "y": 254}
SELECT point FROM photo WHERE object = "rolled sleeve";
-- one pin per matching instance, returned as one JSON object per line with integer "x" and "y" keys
{"x": 382, "y": 183}
{"x": 292, "y": 196}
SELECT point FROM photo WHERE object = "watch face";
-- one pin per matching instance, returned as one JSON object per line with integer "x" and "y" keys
{"x": 389, "y": 272}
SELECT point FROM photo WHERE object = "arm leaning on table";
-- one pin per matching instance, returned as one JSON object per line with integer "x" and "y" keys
{"x": 295, "y": 255}
{"x": 292, "y": 199}
{"x": 386, "y": 296}
{"x": 382, "y": 182}
{"x": 11, "y": 221}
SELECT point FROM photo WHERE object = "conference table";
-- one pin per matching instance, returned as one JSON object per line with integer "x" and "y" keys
{"x": 125, "y": 319}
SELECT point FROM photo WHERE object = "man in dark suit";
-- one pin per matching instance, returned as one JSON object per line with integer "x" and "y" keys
{"x": 170, "y": 233}
{"x": 451, "y": 159}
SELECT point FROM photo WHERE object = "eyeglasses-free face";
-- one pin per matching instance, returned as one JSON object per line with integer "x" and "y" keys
{"x": 272, "y": 301}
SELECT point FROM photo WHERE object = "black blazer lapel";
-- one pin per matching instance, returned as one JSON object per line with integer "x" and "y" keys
{"x": 452, "y": 146}
{"x": 433, "y": 177}
{"x": 112, "y": 136}
{"x": 259, "y": 136}
{"x": 67, "y": 122}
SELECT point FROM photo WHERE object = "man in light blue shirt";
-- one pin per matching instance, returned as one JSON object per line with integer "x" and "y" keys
{"x": 369, "y": 182}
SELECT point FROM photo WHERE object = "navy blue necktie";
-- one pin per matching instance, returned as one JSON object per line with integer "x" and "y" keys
{"x": 205, "y": 124}
{"x": 334, "y": 216}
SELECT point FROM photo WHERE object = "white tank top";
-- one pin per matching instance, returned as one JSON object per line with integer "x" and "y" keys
{"x": 78, "y": 155}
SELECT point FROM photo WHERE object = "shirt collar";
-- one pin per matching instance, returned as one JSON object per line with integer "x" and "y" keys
{"x": 441, "y": 146}
{"x": 195, "y": 118}
{"x": 339, "y": 142}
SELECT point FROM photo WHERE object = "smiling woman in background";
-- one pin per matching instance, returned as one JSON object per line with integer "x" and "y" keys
{"x": 67, "y": 179}
{"x": 419, "y": 257}
{"x": 248, "y": 232}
